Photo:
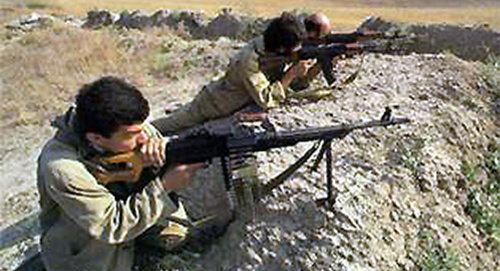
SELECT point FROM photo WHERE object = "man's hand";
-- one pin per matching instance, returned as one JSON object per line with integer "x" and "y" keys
{"x": 179, "y": 176}
{"x": 298, "y": 70}
{"x": 153, "y": 152}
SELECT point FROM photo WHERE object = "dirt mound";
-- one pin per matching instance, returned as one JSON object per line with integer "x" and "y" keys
{"x": 470, "y": 43}
{"x": 400, "y": 193}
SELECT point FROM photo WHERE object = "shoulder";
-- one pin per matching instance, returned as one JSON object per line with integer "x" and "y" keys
{"x": 55, "y": 150}
{"x": 60, "y": 161}
{"x": 248, "y": 57}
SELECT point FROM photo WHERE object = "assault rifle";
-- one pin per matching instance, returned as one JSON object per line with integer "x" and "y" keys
{"x": 203, "y": 147}
{"x": 354, "y": 37}
{"x": 333, "y": 45}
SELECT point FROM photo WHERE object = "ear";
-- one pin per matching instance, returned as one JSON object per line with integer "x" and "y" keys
{"x": 94, "y": 138}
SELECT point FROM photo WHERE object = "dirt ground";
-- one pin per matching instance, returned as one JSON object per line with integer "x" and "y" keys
{"x": 402, "y": 191}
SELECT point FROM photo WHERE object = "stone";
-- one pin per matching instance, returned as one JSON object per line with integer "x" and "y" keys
{"x": 136, "y": 19}
{"x": 98, "y": 18}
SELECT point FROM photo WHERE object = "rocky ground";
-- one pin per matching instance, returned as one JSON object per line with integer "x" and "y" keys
{"x": 403, "y": 192}
{"x": 394, "y": 185}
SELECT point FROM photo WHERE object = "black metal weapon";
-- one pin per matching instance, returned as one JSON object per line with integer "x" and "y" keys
{"x": 203, "y": 147}
{"x": 333, "y": 45}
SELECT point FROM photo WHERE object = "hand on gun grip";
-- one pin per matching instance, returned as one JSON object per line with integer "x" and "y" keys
{"x": 299, "y": 69}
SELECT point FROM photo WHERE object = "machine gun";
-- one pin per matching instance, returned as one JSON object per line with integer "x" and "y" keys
{"x": 203, "y": 147}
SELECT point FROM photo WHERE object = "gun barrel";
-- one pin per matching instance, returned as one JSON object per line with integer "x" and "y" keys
{"x": 323, "y": 133}
{"x": 355, "y": 36}
{"x": 323, "y": 51}
{"x": 202, "y": 148}
{"x": 341, "y": 38}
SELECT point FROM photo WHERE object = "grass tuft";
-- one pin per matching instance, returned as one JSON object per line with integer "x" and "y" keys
{"x": 436, "y": 257}
{"x": 408, "y": 152}
{"x": 44, "y": 68}
{"x": 483, "y": 196}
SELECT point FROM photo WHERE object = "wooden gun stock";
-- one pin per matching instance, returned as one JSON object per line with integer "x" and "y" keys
{"x": 122, "y": 167}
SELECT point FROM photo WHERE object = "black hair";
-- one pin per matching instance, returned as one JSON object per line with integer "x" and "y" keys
{"x": 286, "y": 31}
{"x": 311, "y": 25}
{"x": 108, "y": 103}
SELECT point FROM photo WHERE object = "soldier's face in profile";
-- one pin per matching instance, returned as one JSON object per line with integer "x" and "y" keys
{"x": 125, "y": 139}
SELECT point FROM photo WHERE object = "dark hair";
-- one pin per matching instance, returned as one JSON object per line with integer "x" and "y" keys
{"x": 312, "y": 25}
{"x": 107, "y": 103}
{"x": 285, "y": 31}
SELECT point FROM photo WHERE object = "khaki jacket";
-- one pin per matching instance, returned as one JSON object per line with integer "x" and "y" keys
{"x": 246, "y": 81}
{"x": 84, "y": 226}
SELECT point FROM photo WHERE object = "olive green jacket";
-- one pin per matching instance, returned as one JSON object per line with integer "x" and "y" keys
{"x": 246, "y": 81}
{"x": 84, "y": 225}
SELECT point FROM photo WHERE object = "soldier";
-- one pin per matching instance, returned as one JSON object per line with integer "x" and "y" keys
{"x": 249, "y": 78}
{"x": 90, "y": 225}
{"x": 317, "y": 26}
{"x": 259, "y": 77}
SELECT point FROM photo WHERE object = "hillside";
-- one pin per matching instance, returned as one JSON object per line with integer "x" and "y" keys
{"x": 220, "y": 3}
{"x": 421, "y": 196}
{"x": 345, "y": 14}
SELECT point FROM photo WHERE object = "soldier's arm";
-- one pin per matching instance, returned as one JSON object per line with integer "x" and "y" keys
{"x": 265, "y": 93}
{"x": 96, "y": 210}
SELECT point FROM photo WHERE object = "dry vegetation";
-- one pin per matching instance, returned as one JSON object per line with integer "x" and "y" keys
{"x": 45, "y": 67}
{"x": 346, "y": 14}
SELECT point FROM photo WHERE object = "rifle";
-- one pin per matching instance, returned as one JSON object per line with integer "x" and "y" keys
{"x": 356, "y": 36}
{"x": 202, "y": 147}
{"x": 333, "y": 45}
